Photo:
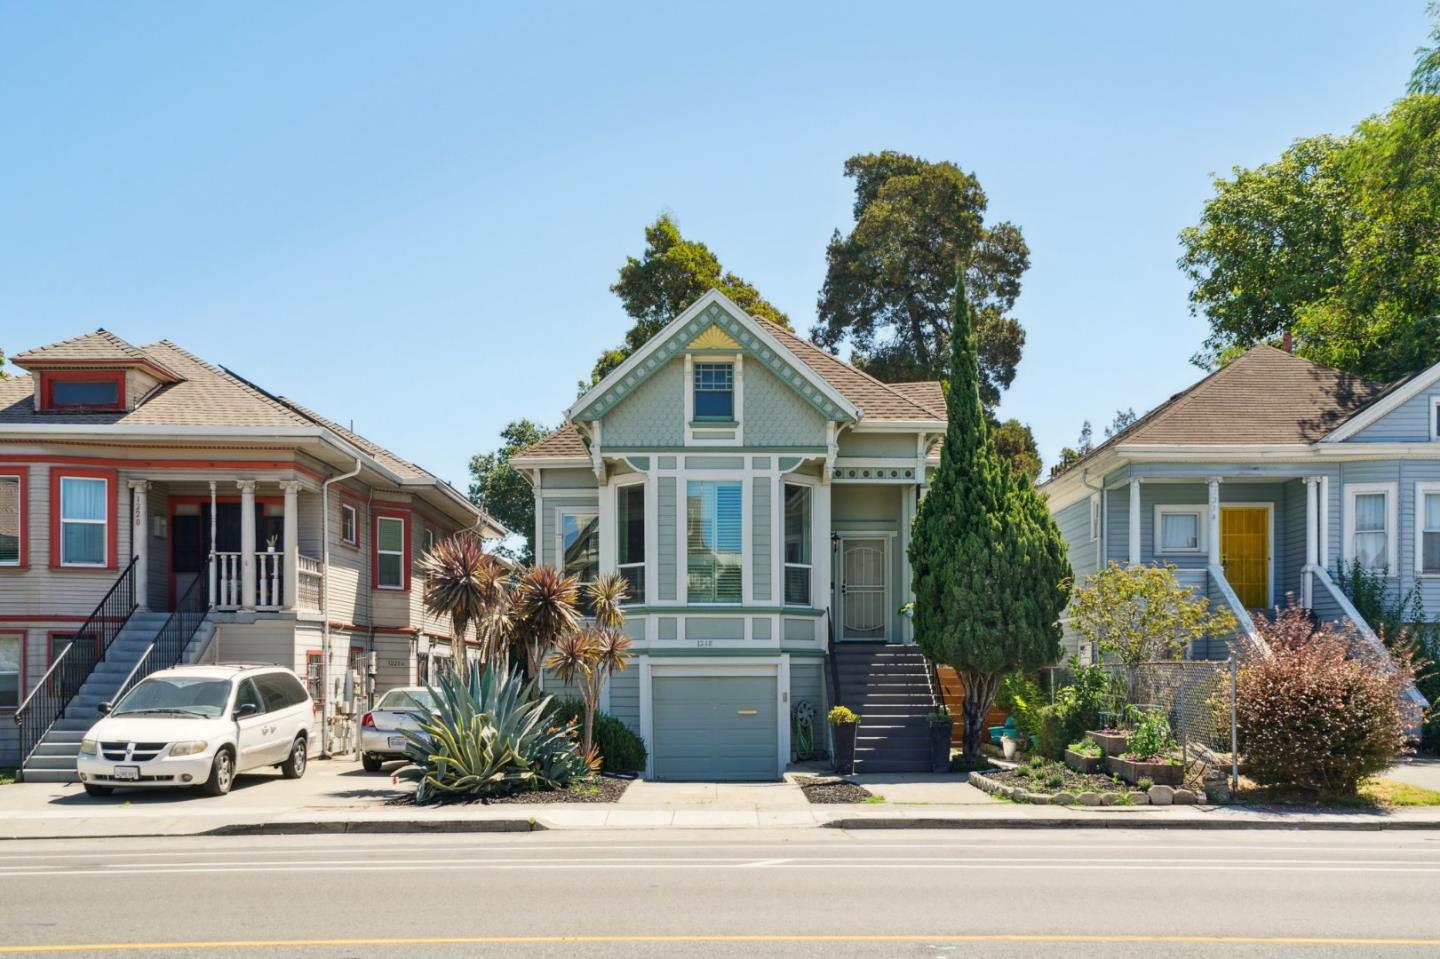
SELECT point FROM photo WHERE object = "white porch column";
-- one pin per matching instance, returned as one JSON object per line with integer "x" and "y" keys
{"x": 214, "y": 578}
{"x": 292, "y": 542}
{"x": 247, "y": 543}
{"x": 823, "y": 588}
{"x": 1213, "y": 520}
{"x": 1312, "y": 540}
{"x": 907, "y": 517}
{"x": 140, "y": 539}
{"x": 1135, "y": 522}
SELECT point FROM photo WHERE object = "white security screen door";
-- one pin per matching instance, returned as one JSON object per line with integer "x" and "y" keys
{"x": 864, "y": 612}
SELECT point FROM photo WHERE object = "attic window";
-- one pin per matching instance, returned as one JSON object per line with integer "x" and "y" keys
{"x": 714, "y": 391}
{"x": 83, "y": 390}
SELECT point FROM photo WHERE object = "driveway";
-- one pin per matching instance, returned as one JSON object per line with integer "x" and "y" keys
{"x": 1422, "y": 771}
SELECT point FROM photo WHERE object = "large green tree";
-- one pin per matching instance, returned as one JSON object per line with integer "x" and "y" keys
{"x": 990, "y": 570}
{"x": 498, "y": 488}
{"x": 1015, "y": 443}
{"x": 890, "y": 281}
{"x": 668, "y": 276}
{"x": 1425, "y": 78}
{"x": 1337, "y": 241}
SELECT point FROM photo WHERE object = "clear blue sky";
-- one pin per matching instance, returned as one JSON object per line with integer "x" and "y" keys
{"x": 410, "y": 214}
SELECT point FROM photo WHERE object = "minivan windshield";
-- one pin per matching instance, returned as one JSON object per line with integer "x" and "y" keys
{"x": 176, "y": 696}
{"x": 407, "y": 699}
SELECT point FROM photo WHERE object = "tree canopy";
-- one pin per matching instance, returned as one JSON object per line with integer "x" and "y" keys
{"x": 990, "y": 569}
{"x": 889, "y": 283}
{"x": 497, "y": 488}
{"x": 668, "y": 276}
{"x": 1335, "y": 241}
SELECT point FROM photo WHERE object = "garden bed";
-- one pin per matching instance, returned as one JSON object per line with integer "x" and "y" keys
{"x": 827, "y": 790}
{"x": 1165, "y": 774}
{"x": 602, "y": 789}
{"x": 1057, "y": 784}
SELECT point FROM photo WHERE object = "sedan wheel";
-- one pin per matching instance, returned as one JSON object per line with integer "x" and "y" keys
{"x": 222, "y": 774}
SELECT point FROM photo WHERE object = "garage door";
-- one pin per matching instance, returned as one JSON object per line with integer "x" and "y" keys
{"x": 714, "y": 727}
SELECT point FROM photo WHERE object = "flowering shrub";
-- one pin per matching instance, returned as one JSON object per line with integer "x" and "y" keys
{"x": 1323, "y": 712}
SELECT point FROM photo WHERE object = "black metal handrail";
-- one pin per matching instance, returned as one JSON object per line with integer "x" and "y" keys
{"x": 832, "y": 681}
{"x": 169, "y": 645}
{"x": 86, "y": 650}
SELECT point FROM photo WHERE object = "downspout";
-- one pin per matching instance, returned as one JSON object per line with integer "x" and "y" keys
{"x": 325, "y": 605}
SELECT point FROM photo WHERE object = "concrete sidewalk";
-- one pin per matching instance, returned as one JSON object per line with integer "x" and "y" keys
{"x": 337, "y": 796}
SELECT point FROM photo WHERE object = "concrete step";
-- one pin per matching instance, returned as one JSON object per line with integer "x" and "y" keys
{"x": 50, "y": 775}
{"x": 69, "y": 737}
{"x": 47, "y": 748}
{"x": 892, "y": 766}
{"x": 51, "y": 762}
{"x": 74, "y": 724}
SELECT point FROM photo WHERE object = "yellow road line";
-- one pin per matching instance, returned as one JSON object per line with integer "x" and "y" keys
{"x": 682, "y": 939}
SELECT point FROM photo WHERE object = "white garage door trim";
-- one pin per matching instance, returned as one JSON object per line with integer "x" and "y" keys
{"x": 779, "y": 667}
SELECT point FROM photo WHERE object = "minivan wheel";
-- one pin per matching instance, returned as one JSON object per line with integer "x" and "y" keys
{"x": 222, "y": 774}
{"x": 93, "y": 790}
{"x": 294, "y": 767}
{"x": 371, "y": 763}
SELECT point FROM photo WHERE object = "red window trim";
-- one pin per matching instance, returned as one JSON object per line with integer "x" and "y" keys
{"x": 20, "y": 686}
{"x": 49, "y": 378}
{"x": 24, "y": 473}
{"x": 112, "y": 540}
{"x": 375, "y": 516}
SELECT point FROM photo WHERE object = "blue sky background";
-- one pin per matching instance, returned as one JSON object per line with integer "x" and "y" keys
{"x": 410, "y": 215}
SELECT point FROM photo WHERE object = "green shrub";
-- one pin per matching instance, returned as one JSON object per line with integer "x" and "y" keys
{"x": 489, "y": 737}
{"x": 1021, "y": 697}
{"x": 1076, "y": 709}
{"x": 621, "y": 751}
{"x": 1145, "y": 783}
{"x": 1054, "y": 780}
{"x": 1086, "y": 747}
{"x": 1151, "y": 739}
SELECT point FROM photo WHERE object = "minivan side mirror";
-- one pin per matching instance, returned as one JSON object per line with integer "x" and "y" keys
{"x": 245, "y": 709}
{"x": 104, "y": 709}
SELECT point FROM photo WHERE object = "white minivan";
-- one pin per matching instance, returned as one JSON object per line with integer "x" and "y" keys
{"x": 199, "y": 726}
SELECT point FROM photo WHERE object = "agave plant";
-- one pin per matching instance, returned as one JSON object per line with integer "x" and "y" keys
{"x": 545, "y": 610}
{"x": 490, "y": 737}
{"x": 469, "y": 586}
{"x": 585, "y": 659}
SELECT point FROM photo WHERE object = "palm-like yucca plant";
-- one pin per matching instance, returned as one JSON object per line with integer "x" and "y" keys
{"x": 545, "y": 610}
{"x": 606, "y": 596}
{"x": 585, "y": 659}
{"x": 489, "y": 738}
{"x": 456, "y": 570}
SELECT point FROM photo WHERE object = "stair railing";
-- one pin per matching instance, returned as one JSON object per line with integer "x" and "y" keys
{"x": 77, "y": 661}
{"x": 832, "y": 681}
{"x": 168, "y": 647}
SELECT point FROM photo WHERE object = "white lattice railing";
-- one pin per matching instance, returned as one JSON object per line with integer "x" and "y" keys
{"x": 310, "y": 581}
{"x": 228, "y": 580}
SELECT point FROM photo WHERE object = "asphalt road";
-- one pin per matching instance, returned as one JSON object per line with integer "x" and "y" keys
{"x": 1075, "y": 894}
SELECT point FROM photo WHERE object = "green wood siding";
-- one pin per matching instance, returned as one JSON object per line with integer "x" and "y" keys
{"x": 665, "y": 539}
{"x": 775, "y": 414}
{"x": 653, "y": 415}
{"x": 625, "y": 697}
{"x": 715, "y": 727}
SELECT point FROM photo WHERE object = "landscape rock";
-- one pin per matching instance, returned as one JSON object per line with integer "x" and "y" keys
{"x": 1039, "y": 799}
{"x": 1161, "y": 795}
{"x": 1063, "y": 799}
{"x": 1140, "y": 797}
{"x": 1186, "y": 797}
{"x": 1090, "y": 799}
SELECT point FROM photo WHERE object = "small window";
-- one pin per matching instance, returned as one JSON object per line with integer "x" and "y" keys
{"x": 1430, "y": 532}
{"x": 1179, "y": 529}
{"x": 389, "y": 552}
{"x": 714, "y": 391}
{"x": 630, "y": 519}
{"x": 84, "y": 391}
{"x": 10, "y": 669}
{"x": 314, "y": 675}
{"x": 1094, "y": 517}
{"x": 713, "y": 522}
{"x": 580, "y": 546}
{"x": 349, "y": 528}
{"x": 12, "y": 510}
{"x": 1370, "y": 536}
{"x": 797, "y": 545}
{"x": 84, "y": 520}
{"x": 1435, "y": 418}
{"x": 429, "y": 540}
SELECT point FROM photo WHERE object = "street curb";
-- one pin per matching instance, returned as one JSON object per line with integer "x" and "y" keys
{"x": 1079, "y": 823}
{"x": 374, "y": 826}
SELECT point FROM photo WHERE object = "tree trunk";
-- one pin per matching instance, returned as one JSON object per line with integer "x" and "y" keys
{"x": 589, "y": 738}
{"x": 979, "y": 694}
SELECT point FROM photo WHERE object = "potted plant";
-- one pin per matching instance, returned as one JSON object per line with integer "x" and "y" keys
{"x": 1086, "y": 756}
{"x": 843, "y": 722}
{"x": 942, "y": 728}
{"x": 270, "y": 542}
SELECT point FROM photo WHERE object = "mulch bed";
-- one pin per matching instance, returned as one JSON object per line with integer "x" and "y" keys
{"x": 831, "y": 789}
{"x": 1074, "y": 783}
{"x": 606, "y": 789}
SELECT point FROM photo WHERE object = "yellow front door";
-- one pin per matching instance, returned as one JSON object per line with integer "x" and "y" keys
{"x": 1245, "y": 552}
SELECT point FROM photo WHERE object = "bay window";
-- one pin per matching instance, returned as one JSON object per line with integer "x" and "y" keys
{"x": 713, "y": 541}
{"x": 630, "y": 544}
{"x": 798, "y": 563}
{"x": 84, "y": 520}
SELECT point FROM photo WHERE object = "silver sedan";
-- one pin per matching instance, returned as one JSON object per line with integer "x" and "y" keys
{"x": 380, "y": 729}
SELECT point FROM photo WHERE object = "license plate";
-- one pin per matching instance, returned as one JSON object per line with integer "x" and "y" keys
{"x": 127, "y": 772}
{"x": 397, "y": 742}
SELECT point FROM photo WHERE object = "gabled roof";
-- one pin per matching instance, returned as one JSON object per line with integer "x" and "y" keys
{"x": 1266, "y": 397}
{"x": 101, "y": 348}
{"x": 565, "y": 443}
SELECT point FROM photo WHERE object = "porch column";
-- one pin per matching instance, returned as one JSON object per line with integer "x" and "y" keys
{"x": 214, "y": 578}
{"x": 140, "y": 539}
{"x": 247, "y": 543}
{"x": 1312, "y": 540}
{"x": 907, "y": 517}
{"x": 1135, "y": 522}
{"x": 1213, "y": 530}
{"x": 292, "y": 543}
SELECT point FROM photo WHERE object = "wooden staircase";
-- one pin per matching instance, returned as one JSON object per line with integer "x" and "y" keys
{"x": 889, "y": 686}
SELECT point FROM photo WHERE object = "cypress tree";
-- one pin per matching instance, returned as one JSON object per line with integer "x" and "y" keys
{"x": 990, "y": 569}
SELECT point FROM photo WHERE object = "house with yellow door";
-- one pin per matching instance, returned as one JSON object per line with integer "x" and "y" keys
{"x": 1260, "y": 481}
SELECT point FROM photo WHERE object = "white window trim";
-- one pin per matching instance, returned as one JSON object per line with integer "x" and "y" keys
{"x": 560, "y": 513}
{"x": 428, "y": 539}
{"x": 1392, "y": 498}
{"x": 19, "y": 519}
{"x": 1094, "y": 517}
{"x": 1434, "y": 422}
{"x": 104, "y": 524}
{"x": 784, "y": 565}
{"x": 620, "y": 487}
{"x": 1421, "y": 489}
{"x": 1171, "y": 509}
{"x": 380, "y": 551}
{"x": 714, "y": 436}
{"x": 682, "y": 543}
{"x": 354, "y": 524}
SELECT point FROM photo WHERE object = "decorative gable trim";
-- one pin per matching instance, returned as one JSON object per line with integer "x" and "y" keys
{"x": 1386, "y": 404}
{"x": 713, "y": 311}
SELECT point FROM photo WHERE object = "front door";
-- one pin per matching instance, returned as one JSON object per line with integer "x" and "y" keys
{"x": 1245, "y": 553}
{"x": 864, "y": 612}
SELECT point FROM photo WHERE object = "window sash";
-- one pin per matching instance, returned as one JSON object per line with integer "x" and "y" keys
{"x": 798, "y": 565}
{"x": 84, "y": 392}
{"x": 10, "y": 671}
{"x": 1430, "y": 533}
{"x": 714, "y": 391}
{"x": 580, "y": 546}
{"x": 11, "y": 510}
{"x": 630, "y": 545}
{"x": 714, "y": 560}
{"x": 348, "y": 524}
{"x": 84, "y": 520}
{"x": 1179, "y": 532}
{"x": 390, "y": 552}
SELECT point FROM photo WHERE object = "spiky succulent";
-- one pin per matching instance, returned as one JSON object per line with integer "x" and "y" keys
{"x": 545, "y": 610}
